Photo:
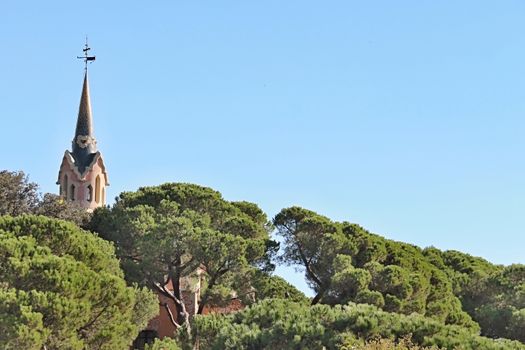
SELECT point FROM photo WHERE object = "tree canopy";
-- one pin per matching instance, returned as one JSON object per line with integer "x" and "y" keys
{"x": 165, "y": 233}
{"x": 19, "y": 196}
{"x": 280, "y": 324}
{"x": 494, "y": 295}
{"x": 62, "y": 288}
{"x": 345, "y": 263}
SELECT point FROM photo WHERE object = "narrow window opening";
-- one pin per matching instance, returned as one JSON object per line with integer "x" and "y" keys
{"x": 72, "y": 192}
{"x": 97, "y": 189}
{"x": 64, "y": 188}
{"x": 89, "y": 194}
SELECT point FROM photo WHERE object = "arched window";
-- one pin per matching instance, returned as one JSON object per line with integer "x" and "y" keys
{"x": 72, "y": 192}
{"x": 97, "y": 189}
{"x": 64, "y": 187}
{"x": 103, "y": 195}
{"x": 89, "y": 194}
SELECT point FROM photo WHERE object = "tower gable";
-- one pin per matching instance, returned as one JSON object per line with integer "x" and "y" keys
{"x": 88, "y": 188}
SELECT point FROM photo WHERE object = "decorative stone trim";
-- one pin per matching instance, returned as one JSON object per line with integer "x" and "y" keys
{"x": 82, "y": 177}
{"x": 85, "y": 140}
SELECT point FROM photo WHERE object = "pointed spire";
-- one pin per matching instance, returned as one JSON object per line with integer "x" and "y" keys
{"x": 85, "y": 120}
{"x": 84, "y": 143}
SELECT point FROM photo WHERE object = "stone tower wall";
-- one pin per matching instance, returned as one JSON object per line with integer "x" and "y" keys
{"x": 69, "y": 176}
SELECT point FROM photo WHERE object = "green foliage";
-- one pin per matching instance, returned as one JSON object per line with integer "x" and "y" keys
{"x": 343, "y": 262}
{"x": 348, "y": 281}
{"x": 145, "y": 308}
{"x": 371, "y": 297}
{"x": 278, "y": 324}
{"x": 18, "y": 196}
{"x": 493, "y": 295}
{"x": 61, "y": 287}
{"x": 22, "y": 328}
{"x": 164, "y": 344}
{"x": 312, "y": 241}
{"x": 268, "y": 286}
{"x": 385, "y": 344}
{"x": 172, "y": 229}
{"x": 54, "y": 206}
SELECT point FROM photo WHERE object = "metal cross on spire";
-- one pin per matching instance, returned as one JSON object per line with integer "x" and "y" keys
{"x": 86, "y": 57}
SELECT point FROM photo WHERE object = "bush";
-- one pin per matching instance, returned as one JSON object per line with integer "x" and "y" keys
{"x": 278, "y": 324}
{"x": 164, "y": 344}
{"x": 61, "y": 287}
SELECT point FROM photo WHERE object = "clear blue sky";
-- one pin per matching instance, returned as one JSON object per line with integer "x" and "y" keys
{"x": 406, "y": 117}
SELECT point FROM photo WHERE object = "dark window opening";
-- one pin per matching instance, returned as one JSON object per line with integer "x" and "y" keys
{"x": 89, "y": 196}
{"x": 64, "y": 188}
{"x": 145, "y": 337}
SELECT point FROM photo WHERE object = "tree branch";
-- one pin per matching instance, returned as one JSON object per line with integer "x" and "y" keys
{"x": 221, "y": 271}
{"x": 82, "y": 329}
{"x": 170, "y": 314}
{"x": 308, "y": 267}
{"x": 169, "y": 294}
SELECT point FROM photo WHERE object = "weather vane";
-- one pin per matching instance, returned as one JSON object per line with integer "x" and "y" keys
{"x": 86, "y": 57}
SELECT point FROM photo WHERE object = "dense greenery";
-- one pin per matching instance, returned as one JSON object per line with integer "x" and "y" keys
{"x": 17, "y": 195}
{"x": 343, "y": 262}
{"x": 353, "y": 344}
{"x": 62, "y": 288}
{"x": 278, "y": 324}
{"x": 20, "y": 196}
{"x": 387, "y": 344}
{"x": 164, "y": 344}
{"x": 493, "y": 295}
{"x": 169, "y": 232}
{"x": 275, "y": 287}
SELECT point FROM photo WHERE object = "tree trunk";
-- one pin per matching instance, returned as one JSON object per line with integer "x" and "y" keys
{"x": 178, "y": 303}
{"x": 175, "y": 281}
{"x": 206, "y": 295}
{"x": 317, "y": 297}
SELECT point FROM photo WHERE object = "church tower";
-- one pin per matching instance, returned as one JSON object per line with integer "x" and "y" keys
{"x": 82, "y": 176}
